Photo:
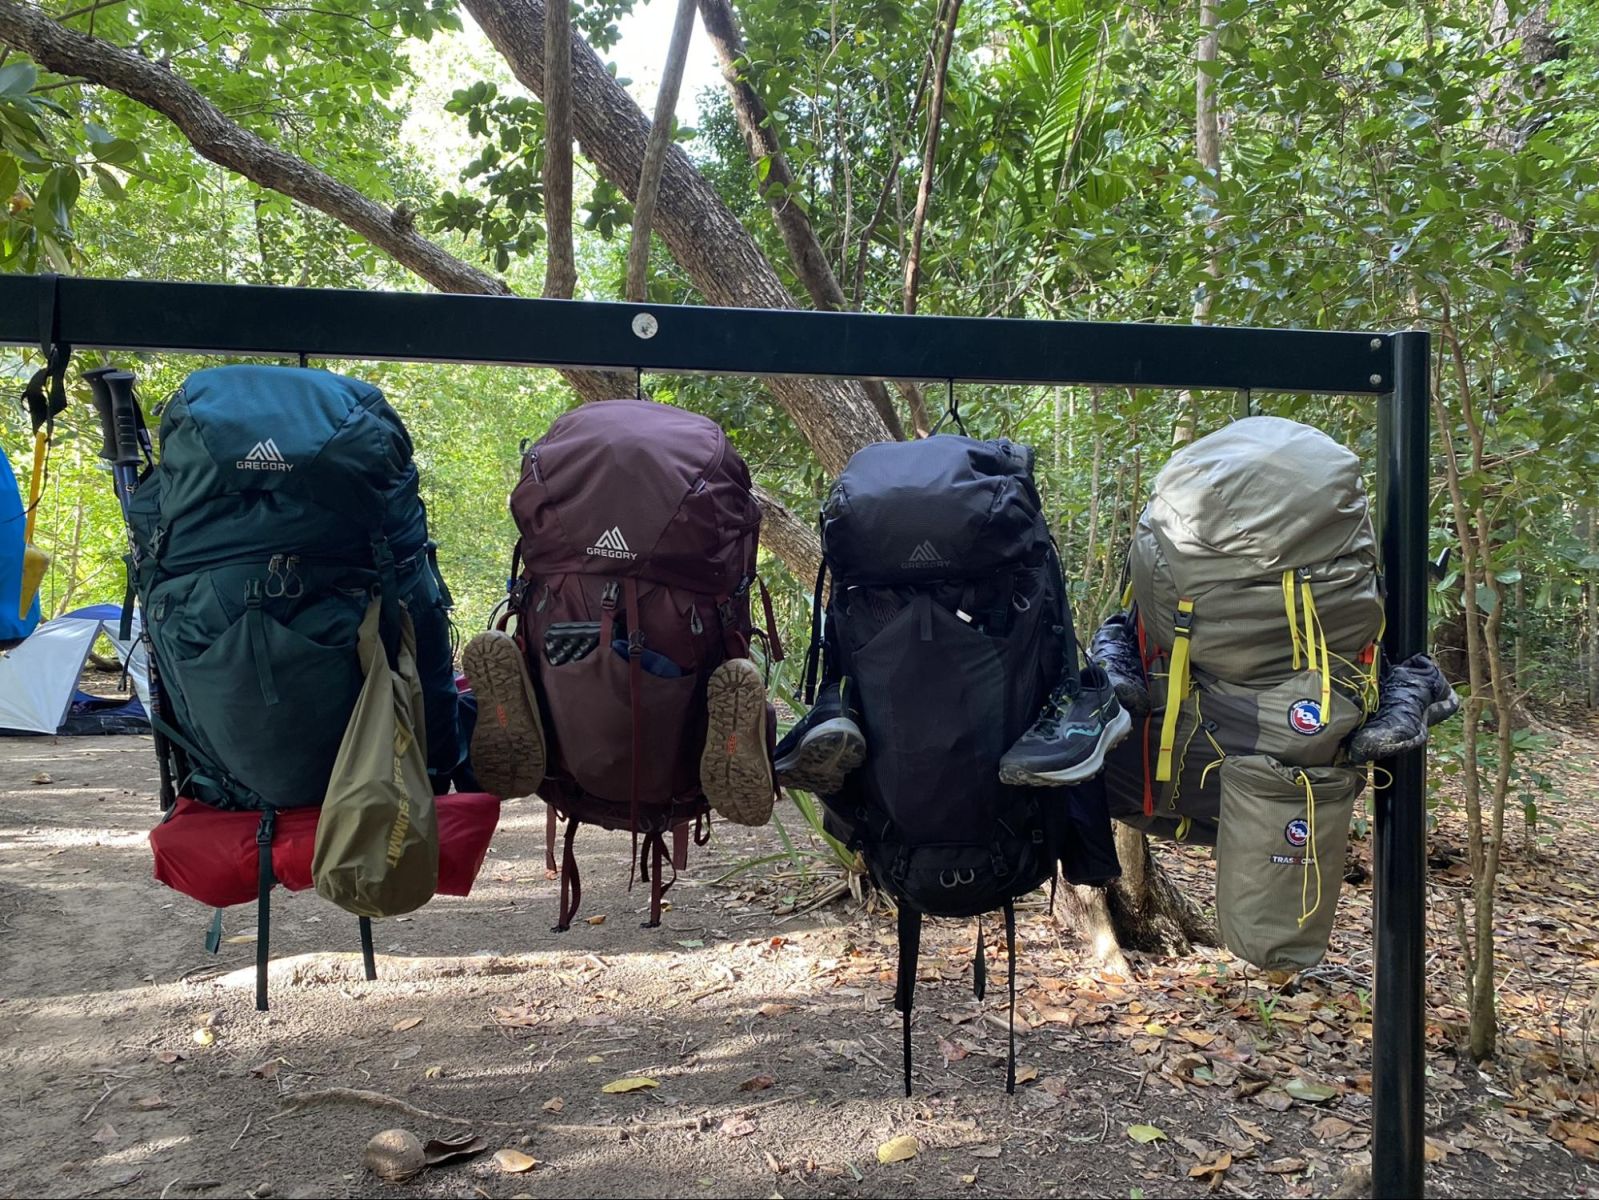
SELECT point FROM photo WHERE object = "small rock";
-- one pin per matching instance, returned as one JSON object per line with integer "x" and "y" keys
{"x": 394, "y": 1154}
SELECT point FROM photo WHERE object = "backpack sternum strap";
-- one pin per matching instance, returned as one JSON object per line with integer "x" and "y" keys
{"x": 910, "y": 945}
{"x": 1176, "y": 687}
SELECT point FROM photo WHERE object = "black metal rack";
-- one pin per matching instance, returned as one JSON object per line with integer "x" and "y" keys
{"x": 293, "y": 322}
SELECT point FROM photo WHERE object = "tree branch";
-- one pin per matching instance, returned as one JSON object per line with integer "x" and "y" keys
{"x": 727, "y": 266}
{"x": 776, "y": 185}
{"x": 660, "y": 137}
{"x": 560, "y": 267}
{"x": 950, "y": 12}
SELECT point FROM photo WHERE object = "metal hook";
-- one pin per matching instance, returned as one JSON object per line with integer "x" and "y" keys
{"x": 304, "y": 360}
{"x": 952, "y": 410}
{"x": 638, "y": 383}
{"x": 1246, "y": 403}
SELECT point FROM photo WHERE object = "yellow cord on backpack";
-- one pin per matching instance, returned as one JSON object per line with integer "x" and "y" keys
{"x": 1176, "y": 687}
{"x": 1312, "y": 862}
{"x": 1313, "y": 630}
{"x": 1293, "y": 616}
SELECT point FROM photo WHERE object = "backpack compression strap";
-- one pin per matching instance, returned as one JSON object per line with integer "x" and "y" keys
{"x": 910, "y": 945}
{"x": 263, "y": 902}
{"x": 571, "y": 881}
{"x": 635, "y": 697}
{"x": 1010, "y": 950}
{"x": 1176, "y": 687}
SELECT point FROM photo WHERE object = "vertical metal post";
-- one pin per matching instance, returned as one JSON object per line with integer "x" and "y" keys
{"x": 1400, "y": 806}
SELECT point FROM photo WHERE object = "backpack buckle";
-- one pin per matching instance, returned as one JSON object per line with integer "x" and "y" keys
{"x": 609, "y": 595}
{"x": 635, "y": 643}
{"x": 1001, "y": 867}
{"x": 1183, "y": 622}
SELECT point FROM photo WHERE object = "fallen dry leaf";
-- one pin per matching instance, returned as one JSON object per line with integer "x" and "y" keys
{"x": 1253, "y": 1130}
{"x": 950, "y": 1051}
{"x": 450, "y": 1149}
{"x": 634, "y": 1083}
{"x": 203, "y": 1037}
{"x": 406, "y": 1053}
{"x": 43, "y": 777}
{"x": 169, "y": 1057}
{"x": 1284, "y": 1166}
{"x": 433, "y": 1073}
{"x": 1215, "y": 1166}
{"x": 1144, "y": 1134}
{"x": 1330, "y": 1129}
{"x": 737, "y": 1127}
{"x": 394, "y": 1154}
{"x": 554, "y": 1104}
{"x": 268, "y": 1069}
{"x": 986, "y": 1152}
{"x": 596, "y": 920}
{"x": 519, "y": 1017}
{"x": 408, "y": 1023}
{"x": 1026, "y": 1074}
{"x": 1309, "y": 1090}
{"x": 105, "y": 1135}
{"x": 773, "y": 1009}
{"x": 149, "y": 1103}
{"x": 898, "y": 1149}
{"x": 757, "y": 1083}
{"x": 514, "y": 1162}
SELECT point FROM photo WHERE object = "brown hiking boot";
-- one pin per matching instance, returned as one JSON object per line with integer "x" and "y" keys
{"x": 736, "y": 767}
{"x": 508, "y": 739}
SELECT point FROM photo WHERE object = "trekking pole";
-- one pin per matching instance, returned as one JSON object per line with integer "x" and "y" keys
{"x": 126, "y": 446}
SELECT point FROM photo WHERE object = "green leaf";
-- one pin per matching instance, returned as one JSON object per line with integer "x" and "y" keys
{"x": 109, "y": 184}
{"x": 17, "y": 79}
{"x": 1144, "y": 1134}
{"x": 10, "y": 176}
{"x": 1309, "y": 1090}
{"x": 118, "y": 151}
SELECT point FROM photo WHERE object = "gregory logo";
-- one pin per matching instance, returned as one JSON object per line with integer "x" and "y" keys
{"x": 264, "y": 456}
{"x": 611, "y": 544}
{"x": 1305, "y": 717}
{"x": 1297, "y": 832}
{"x": 925, "y": 555}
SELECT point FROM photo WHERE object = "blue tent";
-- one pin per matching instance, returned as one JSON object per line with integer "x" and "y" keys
{"x": 14, "y": 623}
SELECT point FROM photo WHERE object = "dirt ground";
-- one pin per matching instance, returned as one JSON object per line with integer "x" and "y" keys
{"x": 134, "y": 1064}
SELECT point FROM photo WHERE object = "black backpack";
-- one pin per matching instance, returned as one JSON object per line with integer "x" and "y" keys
{"x": 949, "y": 620}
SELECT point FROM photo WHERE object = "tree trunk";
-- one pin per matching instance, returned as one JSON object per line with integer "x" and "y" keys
{"x": 1593, "y": 610}
{"x": 949, "y": 15}
{"x": 1207, "y": 148}
{"x": 834, "y": 416}
{"x": 560, "y": 266}
{"x": 775, "y": 181}
{"x": 660, "y": 137}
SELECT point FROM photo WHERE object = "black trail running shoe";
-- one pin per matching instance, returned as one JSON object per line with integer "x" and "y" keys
{"x": 1068, "y": 742}
{"x": 1115, "y": 647}
{"x": 1413, "y": 696}
{"x": 824, "y": 745}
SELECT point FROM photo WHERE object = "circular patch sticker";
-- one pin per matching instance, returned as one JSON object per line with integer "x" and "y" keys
{"x": 1297, "y": 832}
{"x": 1304, "y": 716}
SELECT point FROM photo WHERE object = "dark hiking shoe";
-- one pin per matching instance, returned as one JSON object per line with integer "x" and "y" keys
{"x": 824, "y": 745}
{"x": 1068, "y": 742}
{"x": 1412, "y": 696}
{"x": 508, "y": 739}
{"x": 736, "y": 765}
{"x": 1115, "y": 647}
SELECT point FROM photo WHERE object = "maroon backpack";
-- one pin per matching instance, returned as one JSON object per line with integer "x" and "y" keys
{"x": 637, "y": 556}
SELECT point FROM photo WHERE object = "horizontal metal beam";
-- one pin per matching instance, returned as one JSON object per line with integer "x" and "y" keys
{"x": 230, "y": 319}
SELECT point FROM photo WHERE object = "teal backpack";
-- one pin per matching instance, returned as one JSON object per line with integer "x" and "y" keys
{"x": 284, "y": 500}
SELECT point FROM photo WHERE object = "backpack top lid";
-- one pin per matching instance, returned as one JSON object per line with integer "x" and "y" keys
{"x": 1258, "y": 497}
{"x": 275, "y": 435}
{"x": 940, "y": 507}
{"x": 636, "y": 487}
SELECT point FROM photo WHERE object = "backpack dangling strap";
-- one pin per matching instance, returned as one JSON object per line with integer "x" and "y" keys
{"x": 635, "y": 696}
{"x": 213, "y": 935}
{"x": 910, "y": 944}
{"x": 980, "y": 965}
{"x": 1010, "y": 951}
{"x": 571, "y": 882}
{"x": 264, "y": 880}
{"x": 814, "y": 654}
{"x": 369, "y": 960}
{"x": 774, "y": 643}
{"x": 1176, "y": 687}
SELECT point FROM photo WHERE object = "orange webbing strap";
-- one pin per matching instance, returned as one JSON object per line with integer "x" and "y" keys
{"x": 1176, "y": 687}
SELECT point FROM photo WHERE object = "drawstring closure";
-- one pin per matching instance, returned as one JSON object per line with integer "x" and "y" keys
{"x": 1312, "y": 860}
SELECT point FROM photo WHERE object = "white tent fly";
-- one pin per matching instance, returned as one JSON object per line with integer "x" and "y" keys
{"x": 39, "y": 690}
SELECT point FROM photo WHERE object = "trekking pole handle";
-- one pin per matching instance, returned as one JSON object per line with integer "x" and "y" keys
{"x": 119, "y": 415}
